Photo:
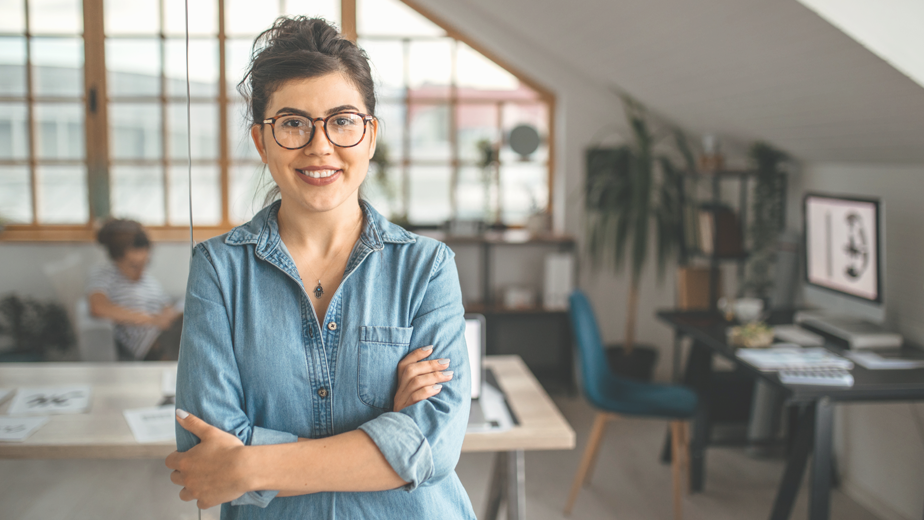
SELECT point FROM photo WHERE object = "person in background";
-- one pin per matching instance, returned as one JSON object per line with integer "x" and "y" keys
{"x": 147, "y": 326}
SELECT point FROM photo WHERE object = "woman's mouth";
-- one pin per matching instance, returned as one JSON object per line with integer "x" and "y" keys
{"x": 319, "y": 177}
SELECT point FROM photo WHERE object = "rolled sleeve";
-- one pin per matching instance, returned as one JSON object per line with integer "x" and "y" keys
{"x": 404, "y": 446}
{"x": 263, "y": 437}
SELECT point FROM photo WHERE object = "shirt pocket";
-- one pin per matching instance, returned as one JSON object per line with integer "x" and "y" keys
{"x": 380, "y": 350}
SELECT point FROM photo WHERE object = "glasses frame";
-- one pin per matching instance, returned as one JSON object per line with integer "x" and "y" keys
{"x": 365, "y": 117}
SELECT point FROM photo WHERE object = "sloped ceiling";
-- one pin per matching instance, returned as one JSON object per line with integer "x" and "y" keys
{"x": 745, "y": 69}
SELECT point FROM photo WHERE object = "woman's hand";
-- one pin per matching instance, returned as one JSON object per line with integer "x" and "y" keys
{"x": 419, "y": 380}
{"x": 210, "y": 472}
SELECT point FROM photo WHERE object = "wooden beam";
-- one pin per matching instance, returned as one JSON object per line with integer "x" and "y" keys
{"x": 96, "y": 122}
{"x": 348, "y": 19}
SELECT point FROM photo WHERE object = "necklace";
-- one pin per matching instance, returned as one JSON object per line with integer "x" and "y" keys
{"x": 319, "y": 290}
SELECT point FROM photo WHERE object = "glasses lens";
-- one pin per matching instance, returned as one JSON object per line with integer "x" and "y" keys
{"x": 345, "y": 129}
{"x": 292, "y": 131}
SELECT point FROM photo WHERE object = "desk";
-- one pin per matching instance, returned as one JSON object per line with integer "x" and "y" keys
{"x": 814, "y": 428}
{"x": 103, "y": 432}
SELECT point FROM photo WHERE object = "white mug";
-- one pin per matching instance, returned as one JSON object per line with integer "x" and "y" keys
{"x": 748, "y": 309}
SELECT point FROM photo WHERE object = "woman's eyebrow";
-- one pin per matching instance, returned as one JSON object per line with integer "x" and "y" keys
{"x": 290, "y": 110}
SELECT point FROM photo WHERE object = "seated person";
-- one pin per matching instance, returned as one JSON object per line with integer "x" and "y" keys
{"x": 147, "y": 326}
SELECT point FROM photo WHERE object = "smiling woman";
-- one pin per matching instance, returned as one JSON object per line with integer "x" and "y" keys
{"x": 312, "y": 378}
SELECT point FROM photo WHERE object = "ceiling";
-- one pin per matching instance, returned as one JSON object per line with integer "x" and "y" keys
{"x": 744, "y": 69}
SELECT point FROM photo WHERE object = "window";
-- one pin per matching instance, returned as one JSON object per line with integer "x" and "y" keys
{"x": 115, "y": 142}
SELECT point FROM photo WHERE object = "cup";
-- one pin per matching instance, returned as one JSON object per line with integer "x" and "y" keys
{"x": 748, "y": 309}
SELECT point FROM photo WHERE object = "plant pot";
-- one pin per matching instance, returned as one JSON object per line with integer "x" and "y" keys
{"x": 638, "y": 364}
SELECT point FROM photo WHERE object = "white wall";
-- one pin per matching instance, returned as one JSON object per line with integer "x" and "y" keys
{"x": 880, "y": 447}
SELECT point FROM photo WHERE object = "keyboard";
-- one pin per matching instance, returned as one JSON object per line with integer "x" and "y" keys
{"x": 798, "y": 335}
{"x": 816, "y": 377}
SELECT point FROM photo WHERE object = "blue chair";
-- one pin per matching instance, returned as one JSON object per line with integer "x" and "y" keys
{"x": 613, "y": 396}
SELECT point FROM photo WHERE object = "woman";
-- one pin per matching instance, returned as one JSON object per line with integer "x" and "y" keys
{"x": 146, "y": 324}
{"x": 296, "y": 321}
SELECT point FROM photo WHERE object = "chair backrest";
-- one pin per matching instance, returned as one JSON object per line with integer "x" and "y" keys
{"x": 68, "y": 279}
{"x": 595, "y": 369}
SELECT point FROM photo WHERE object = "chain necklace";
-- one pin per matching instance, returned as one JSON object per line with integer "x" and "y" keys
{"x": 319, "y": 290}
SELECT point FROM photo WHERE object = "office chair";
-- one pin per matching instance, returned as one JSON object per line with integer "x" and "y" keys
{"x": 613, "y": 396}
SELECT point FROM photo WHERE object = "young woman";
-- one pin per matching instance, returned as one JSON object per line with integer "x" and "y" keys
{"x": 303, "y": 390}
{"x": 147, "y": 326}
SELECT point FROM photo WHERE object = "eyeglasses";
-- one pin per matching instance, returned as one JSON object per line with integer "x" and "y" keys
{"x": 343, "y": 129}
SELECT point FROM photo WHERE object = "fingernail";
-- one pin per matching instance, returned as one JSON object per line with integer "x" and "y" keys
{"x": 436, "y": 387}
{"x": 182, "y": 414}
{"x": 426, "y": 349}
{"x": 444, "y": 361}
{"x": 447, "y": 373}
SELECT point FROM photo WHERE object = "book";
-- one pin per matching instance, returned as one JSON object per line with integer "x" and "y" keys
{"x": 791, "y": 357}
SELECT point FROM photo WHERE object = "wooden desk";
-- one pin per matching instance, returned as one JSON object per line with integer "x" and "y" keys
{"x": 814, "y": 430}
{"x": 103, "y": 433}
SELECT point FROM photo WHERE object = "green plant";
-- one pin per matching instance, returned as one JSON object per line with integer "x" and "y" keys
{"x": 32, "y": 326}
{"x": 627, "y": 189}
{"x": 767, "y": 218}
{"x": 382, "y": 180}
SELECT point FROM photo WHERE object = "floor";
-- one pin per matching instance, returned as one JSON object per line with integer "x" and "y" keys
{"x": 628, "y": 484}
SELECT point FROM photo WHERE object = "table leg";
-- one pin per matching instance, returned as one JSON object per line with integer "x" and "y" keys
{"x": 795, "y": 466}
{"x": 516, "y": 485}
{"x": 497, "y": 486}
{"x": 820, "y": 497}
{"x": 698, "y": 376}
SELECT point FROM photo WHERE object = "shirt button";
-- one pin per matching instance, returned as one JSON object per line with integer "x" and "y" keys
{"x": 331, "y": 326}
{"x": 322, "y": 392}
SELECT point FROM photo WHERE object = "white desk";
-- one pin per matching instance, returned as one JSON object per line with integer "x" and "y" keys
{"x": 103, "y": 433}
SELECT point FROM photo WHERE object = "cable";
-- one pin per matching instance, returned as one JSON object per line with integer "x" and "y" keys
{"x": 192, "y": 243}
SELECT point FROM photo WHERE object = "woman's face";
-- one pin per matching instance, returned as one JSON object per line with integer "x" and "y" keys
{"x": 133, "y": 262}
{"x": 338, "y": 172}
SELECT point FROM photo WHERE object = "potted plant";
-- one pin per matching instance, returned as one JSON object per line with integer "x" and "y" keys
{"x": 629, "y": 189}
{"x": 767, "y": 219}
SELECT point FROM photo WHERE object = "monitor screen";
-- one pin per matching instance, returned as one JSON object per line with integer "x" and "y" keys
{"x": 842, "y": 245}
{"x": 474, "y": 337}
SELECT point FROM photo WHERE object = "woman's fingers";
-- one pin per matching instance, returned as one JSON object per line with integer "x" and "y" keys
{"x": 176, "y": 477}
{"x": 413, "y": 357}
{"x": 425, "y": 367}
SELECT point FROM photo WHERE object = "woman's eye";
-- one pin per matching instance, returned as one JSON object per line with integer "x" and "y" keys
{"x": 293, "y": 123}
{"x": 343, "y": 121}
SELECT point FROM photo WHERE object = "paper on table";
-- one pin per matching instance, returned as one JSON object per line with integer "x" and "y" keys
{"x": 154, "y": 424}
{"x": 168, "y": 383}
{"x": 4, "y": 393}
{"x": 883, "y": 361}
{"x": 785, "y": 356}
{"x": 16, "y": 429}
{"x": 45, "y": 400}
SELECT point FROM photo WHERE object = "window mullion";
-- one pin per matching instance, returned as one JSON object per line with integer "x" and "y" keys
{"x": 224, "y": 149}
{"x": 96, "y": 113}
{"x": 30, "y": 116}
{"x": 348, "y": 19}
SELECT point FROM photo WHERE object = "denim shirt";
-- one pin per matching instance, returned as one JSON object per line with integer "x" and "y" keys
{"x": 255, "y": 362}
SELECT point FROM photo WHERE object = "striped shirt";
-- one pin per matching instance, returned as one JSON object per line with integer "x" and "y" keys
{"x": 145, "y": 295}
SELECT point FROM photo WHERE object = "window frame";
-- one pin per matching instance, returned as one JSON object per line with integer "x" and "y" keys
{"x": 98, "y": 162}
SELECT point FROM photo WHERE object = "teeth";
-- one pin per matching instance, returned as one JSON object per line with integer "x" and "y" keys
{"x": 318, "y": 174}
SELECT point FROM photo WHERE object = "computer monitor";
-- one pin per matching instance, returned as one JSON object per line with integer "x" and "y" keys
{"x": 843, "y": 252}
{"x": 475, "y": 341}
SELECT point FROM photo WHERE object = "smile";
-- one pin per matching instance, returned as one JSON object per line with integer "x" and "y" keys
{"x": 318, "y": 174}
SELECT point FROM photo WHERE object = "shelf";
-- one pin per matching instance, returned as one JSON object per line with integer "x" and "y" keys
{"x": 720, "y": 174}
{"x": 509, "y": 237}
{"x": 721, "y": 258}
{"x": 481, "y": 308}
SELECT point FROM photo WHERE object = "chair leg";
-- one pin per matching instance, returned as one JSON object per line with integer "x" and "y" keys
{"x": 676, "y": 463}
{"x": 588, "y": 459}
{"x": 685, "y": 452}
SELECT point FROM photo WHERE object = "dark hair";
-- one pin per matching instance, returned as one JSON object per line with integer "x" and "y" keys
{"x": 299, "y": 48}
{"x": 120, "y": 235}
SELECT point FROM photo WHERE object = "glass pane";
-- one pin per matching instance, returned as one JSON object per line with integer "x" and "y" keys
{"x": 135, "y": 131}
{"x": 58, "y": 66}
{"x": 203, "y": 67}
{"x": 384, "y": 189}
{"x": 327, "y": 9}
{"x": 12, "y": 16}
{"x": 241, "y": 145}
{"x": 12, "y": 66}
{"x": 534, "y": 115}
{"x": 248, "y": 186}
{"x": 137, "y": 17}
{"x": 133, "y": 67}
{"x": 204, "y": 130}
{"x": 524, "y": 190}
{"x": 429, "y": 200}
{"x": 62, "y": 194}
{"x": 14, "y": 131}
{"x": 59, "y": 131}
{"x": 56, "y": 16}
{"x": 203, "y": 17}
{"x": 138, "y": 193}
{"x": 473, "y": 193}
{"x": 391, "y": 130}
{"x": 430, "y": 68}
{"x": 237, "y": 59}
{"x": 387, "y": 60}
{"x": 15, "y": 202}
{"x": 206, "y": 194}
{"x": 477, "y": 76}
{"x": 475, "y": 123}
{"x": 392, "y": 17}
{"x": 430, "y": 132}
{"x": 246, "y": 17}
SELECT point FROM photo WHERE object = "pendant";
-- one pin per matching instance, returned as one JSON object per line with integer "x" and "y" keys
{"x": 318, "y": 291}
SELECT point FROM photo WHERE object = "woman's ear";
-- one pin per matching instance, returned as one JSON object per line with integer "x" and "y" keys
{"x": 374, "y": 124}
{"x": 256, "y": 133}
